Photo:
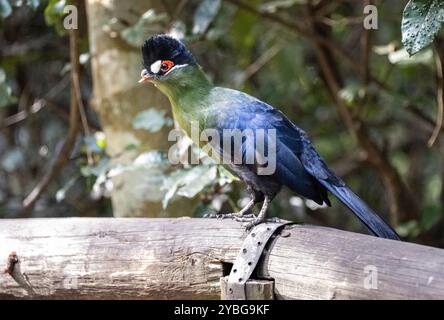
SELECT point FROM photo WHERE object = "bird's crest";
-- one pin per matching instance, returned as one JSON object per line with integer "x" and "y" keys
{"x": 164, "y": 47}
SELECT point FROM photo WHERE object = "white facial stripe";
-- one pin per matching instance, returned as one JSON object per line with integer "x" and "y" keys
{"x": 155, "y": 67}
{"x": 176, "y": 67}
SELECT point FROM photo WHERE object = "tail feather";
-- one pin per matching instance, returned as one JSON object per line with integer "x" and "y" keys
{"x": 368, "y": 217}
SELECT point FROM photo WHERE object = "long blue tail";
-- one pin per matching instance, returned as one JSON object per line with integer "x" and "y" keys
{"x": 368, "y": 217}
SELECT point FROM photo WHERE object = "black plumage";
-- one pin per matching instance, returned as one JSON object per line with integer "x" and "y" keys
{"x": 164, "y": 47}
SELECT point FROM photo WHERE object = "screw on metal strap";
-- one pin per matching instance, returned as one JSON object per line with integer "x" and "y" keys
{"x": 248, "y": 257}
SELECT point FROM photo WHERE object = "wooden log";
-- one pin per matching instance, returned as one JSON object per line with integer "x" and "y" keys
{"x": 255, "y": 289}
{"x": 185, "y": 258}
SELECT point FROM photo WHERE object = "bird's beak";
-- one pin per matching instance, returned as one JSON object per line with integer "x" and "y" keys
{"x": 145, "y": 76}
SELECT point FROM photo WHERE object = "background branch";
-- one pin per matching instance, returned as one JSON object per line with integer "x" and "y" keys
{"x": 401, "y": 203}
{"x": 301, "y": 30}
{"x": 65, "y": 151}
{"x": 439, "y": 96}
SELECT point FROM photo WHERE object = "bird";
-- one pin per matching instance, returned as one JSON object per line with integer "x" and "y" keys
{"x": 172, "y": 68}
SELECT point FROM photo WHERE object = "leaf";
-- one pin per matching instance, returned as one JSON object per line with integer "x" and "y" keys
{"x": 12, "y": 160}
{"x": 421, "y": 21}
{"x": 135, "y": 35}
{"x": 244, "y": 38}
{"x": 351, "y": 93}
{"x": 151, "y": 120}
{"x": 152, "y": 158}
{"x": 100, "y": 139}
{"x": 408, "y": 229}
{"x": 226, "y": 176}
{"x": 6, "y": 97}
{"x": 205, "y": 14}
{"x": 430, "y": 216}
{"x": 131, "y": 147}
{"x": 178, "y": 29}
{"x": 402, "y": 57}
{"x": 61, "y": 193}
{"x": 145, "y": 174}
{"x": 5, "y": 8}
{"x": 188, "y": 182}
{"x": 100, "y": 167}
{"x": 92, "y": 144}
{"x": 221, "y": 23}
{"x": 273, "y": 6}
{"x": 34, "y": 4}
{"x": 54, "y": 13}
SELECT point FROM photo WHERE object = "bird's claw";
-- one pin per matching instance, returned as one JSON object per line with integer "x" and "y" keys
{"x": 242, "y": 217}
{"x": 249, "y": 220}
{"x": 235, "y": 216}
{"x": 254, "y": 222}
{"x": 214, "y": 216}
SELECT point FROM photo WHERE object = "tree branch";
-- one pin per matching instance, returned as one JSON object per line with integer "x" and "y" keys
{"x": 301, "y": 30}
{"x": 402, "y": 206}
{"x": 38, "y": 105}
{"x": 64, "y": 153}
{"x": 439, "y": 96}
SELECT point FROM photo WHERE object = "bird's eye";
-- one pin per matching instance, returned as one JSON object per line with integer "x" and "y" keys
{"x": 166, "y": 65}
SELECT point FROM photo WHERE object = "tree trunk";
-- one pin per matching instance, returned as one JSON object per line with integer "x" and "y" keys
{"x": 118, "y": 98}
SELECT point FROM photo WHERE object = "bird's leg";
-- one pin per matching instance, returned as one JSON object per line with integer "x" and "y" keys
{"x": 251, "y": 222}
{"x": 257, "y": 197}
{"x": 243, "y": 211}
{"x": 242, "y": 214}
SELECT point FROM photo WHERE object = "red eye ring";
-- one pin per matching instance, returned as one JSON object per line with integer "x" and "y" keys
{"x": 166, "y": 65}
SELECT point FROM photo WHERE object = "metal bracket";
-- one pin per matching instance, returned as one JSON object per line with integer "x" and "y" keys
{"x": 249, "y": 256}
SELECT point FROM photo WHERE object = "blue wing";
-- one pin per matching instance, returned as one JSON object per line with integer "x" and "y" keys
{"x": 298, "y": 164}
{"x": 246, "y": 112}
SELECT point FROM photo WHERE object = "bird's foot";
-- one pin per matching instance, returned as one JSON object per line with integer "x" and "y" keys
{"x": 250, "y": 222}
{"x": 213, "y": 215}
{"x": 234, "y": 216}
{"x": 253, "y": 220}
{"x": 238, "y": 216}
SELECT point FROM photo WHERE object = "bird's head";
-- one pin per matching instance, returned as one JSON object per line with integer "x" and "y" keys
{"x": 164, "y": 58}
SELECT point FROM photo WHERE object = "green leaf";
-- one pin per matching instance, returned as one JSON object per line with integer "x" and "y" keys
{"x": 92, "y": 144}
{"x": 6, "y": 97}
{"x": 205, "y": 14}
{"x": 54, "y": 14}
{"x": 131, "y": 147}
{"x": 430, "y": 216}
{"x": 409, "y": 229}
{"x": 351, "y": 93}
{"x": 421, "y": 21}
{"x": 5, "y": 8}
{"x": 188, "y": 182}
{"x": 151, "y": 120}
{"x": 135, "y": 35}
{"x": 226, "y": 176}
{"x": 146, "y": 173}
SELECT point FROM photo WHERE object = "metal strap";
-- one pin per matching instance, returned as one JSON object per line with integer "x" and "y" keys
{"x": 249, "y": 256}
